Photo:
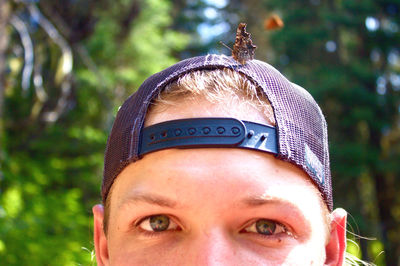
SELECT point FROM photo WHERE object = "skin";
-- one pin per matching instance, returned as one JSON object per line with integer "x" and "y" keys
{"x": 213, "y": 198}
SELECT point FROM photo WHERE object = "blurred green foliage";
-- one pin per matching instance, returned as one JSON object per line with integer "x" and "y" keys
{"x": 52, "y": 170}
{"x": 53, "y": 132}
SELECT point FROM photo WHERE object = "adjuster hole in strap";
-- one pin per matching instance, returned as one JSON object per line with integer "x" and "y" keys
{"x": 192, "y": 131}
{"x": 220, "y": 130}
{"x": 206, "y": 130}
{"x": 178, "y": 132}
{"x": 235, "y": 130}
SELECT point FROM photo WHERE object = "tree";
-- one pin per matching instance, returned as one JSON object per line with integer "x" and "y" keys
{"x": 4, "y": 39}
{"x": 85, "y": 57}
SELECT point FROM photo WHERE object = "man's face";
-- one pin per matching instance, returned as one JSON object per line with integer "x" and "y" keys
{"x": 213, "y": 206}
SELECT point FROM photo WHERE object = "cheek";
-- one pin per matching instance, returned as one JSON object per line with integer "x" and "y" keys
{"x": 309, "y": 254}
{"x": 126, "y": 251}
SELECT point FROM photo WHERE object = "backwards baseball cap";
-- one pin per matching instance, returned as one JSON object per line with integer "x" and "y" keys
{"x": 299, "y": 137}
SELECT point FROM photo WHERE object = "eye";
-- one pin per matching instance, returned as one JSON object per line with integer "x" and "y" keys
{"x": 266, "y": 227}
{"x": 157, "y": 223}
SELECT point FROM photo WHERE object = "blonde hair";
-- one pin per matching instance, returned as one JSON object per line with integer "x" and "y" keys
{"x": 220, "y": 86}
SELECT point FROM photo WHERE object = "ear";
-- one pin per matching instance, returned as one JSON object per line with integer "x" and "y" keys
{"x": 100, "y": 239}
{"x": 336, "y": 247}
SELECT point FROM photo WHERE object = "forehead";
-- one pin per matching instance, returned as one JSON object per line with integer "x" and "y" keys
{"x": 238, "y": 168}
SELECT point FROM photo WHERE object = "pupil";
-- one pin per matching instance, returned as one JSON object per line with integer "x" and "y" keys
{"x": 265, "y": 227}
{"x": 159, "y": 223}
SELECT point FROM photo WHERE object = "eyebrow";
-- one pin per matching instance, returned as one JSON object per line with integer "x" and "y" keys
{"x": 258, "y": 201}
{"x": 148, "y": 198}
{"x": 254, "y": 201}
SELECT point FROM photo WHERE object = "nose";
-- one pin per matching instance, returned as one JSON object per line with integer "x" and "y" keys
{"x": 214, "y": 247}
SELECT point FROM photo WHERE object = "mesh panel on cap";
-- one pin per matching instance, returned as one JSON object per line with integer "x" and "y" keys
{"x": 302, "y": 129}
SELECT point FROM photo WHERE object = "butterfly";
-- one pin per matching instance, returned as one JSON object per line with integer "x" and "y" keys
{"x": 243, "y": 49}
{"x": 273, "y": 22}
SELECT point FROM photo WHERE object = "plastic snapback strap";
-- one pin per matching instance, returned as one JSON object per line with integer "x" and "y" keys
{"x": 208, "y": 133}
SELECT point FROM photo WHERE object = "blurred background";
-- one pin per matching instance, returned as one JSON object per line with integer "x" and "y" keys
{"x": 66, "y": 66}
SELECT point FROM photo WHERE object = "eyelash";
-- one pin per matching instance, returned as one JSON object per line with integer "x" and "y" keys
{"x": 148, "y": 233}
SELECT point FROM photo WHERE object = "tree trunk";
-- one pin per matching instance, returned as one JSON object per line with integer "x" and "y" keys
{"x": 384, "y": 188}
{"x": 5, "y": 11}
{"x": 386, "y": 193}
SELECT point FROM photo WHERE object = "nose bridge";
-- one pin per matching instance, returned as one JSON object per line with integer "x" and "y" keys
{"x": 214, "y": 247}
